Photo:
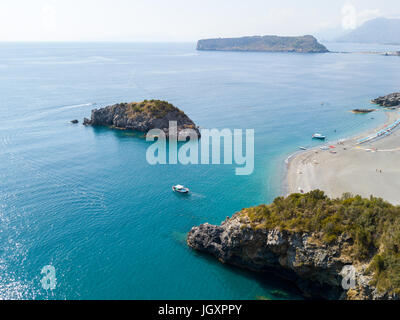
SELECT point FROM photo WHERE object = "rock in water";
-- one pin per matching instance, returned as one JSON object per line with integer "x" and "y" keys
{"x": 391, "y": 100}
{"x": 363, "y": 110}
{"x": 142, "y": 116}
{"x": 305, "y": 44}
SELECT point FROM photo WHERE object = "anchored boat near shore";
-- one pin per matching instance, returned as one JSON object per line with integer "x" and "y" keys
{"x": 318, "y": 136}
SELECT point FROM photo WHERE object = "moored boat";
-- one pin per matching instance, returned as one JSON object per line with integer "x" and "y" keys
{"x": 318, "y": 136}
{"x": 180, "y": 189}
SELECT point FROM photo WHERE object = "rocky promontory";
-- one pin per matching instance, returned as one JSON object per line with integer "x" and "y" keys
{"x": 309, "y": 239}
{"x": 142, "y": 116}
{"x": 304, "y": 44}
{"x": 391, "y": 100}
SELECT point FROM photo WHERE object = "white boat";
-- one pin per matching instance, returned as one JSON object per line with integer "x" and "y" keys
{"x": 180, "y": 189}
{"x": 318, "y": 136}
{"x": 302, "y": 148}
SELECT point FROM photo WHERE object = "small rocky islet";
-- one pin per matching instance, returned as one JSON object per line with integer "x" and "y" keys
{"x": 309, "y": 239}
{"x": 388, "y": 101}
{"x": 391, "y": 101}
{"x": 142, "y": 116}
{"x": 363, "y": 110}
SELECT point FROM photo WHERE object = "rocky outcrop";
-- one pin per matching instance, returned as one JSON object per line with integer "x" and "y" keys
{"x": 363, "y": 110}
{"x": 313, "y": 265}
{"x": 143, "y": 117}
{"x": 391, "y": 100}
{"x": 305, "y": 44}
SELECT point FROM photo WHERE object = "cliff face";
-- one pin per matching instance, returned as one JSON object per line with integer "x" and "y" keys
{"x": 314, "y": 266}
{"x": 143, "y": 116}
{"x": 391, "y": 100}
{"x": 305, "y": 44}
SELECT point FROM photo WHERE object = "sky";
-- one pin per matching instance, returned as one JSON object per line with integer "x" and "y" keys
{"x": 180, "y": 20}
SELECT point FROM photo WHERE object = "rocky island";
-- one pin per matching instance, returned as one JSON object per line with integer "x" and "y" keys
{"x": 304, "y": 44}
{"x": 391, "y": 100}
{"x": 141, "y": 116}
{"x": 363, "y": 110}
{"x": 309, "y": 239}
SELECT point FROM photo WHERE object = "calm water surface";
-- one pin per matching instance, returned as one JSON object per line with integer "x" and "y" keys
{"x": 85, "y": 200}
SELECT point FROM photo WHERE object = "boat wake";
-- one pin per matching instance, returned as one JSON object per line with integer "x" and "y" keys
{"x": 179, "y": 237}
{"x": 77, "y": 106}
{"x": 198, "y": 195}
{"x": 48, "y": 111}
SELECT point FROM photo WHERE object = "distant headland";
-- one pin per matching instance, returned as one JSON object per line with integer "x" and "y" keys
{"x": 304, "y": 44}
{"x": 379, "y": 30}
{"x": 141, "y": 116}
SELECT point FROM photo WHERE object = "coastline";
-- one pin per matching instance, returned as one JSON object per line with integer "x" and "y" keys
{"x": 291, "y": 156}
{"x": 368, "y": 169}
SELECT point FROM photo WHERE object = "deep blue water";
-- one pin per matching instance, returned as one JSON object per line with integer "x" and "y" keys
{"x": 85, "y": 200}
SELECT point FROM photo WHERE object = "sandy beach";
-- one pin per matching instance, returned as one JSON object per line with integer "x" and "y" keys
{"x": 368, "y": 169}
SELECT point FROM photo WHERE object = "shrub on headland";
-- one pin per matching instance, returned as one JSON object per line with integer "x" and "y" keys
{"x": 373, "y": 225}
{"x": 156, "y": 108}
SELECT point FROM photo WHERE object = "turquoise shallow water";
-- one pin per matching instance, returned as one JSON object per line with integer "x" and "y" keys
{"x": 85, "y": 200}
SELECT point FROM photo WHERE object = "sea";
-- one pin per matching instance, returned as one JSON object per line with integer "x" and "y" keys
{"x": 83, "y": 215}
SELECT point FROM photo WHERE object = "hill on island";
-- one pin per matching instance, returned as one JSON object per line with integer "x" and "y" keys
{"x": 142, "y": 116}
{"x": 380, "y": 30}
{"x": 304, "y": 44}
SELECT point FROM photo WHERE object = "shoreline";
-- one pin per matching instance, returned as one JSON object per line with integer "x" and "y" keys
{"x": 367, "y": 169}
{"x": 297, "y": 153}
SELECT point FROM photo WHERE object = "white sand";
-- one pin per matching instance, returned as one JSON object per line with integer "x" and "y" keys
{"x": 355, "y": 170}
